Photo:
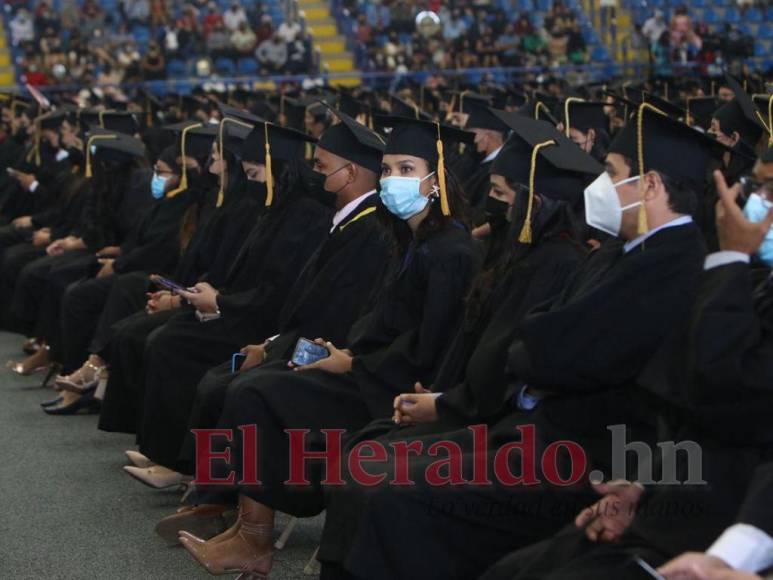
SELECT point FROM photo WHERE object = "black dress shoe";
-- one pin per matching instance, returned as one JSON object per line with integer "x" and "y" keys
{"x": 85, "y": 402}
{"x": 52, "y": 402}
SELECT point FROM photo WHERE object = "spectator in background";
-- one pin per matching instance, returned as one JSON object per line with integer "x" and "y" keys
{"x": 681, "y": 24}
{"x": 289, "y": 30}
{"x": 508, "y": 46}
{"x": 212, "y": 20}
{"x": 22, "y": 28}
{"x": 378, "y": 14}
{"x": 363, "y": 31}
{"x": 523, "y": 26}
{"x": 576, "y": 48}
{"x": 265, "y": 30}
{"x": 92, "y": 17}
{"x": 654, "y": 27}
{"x": 272, "y": 54}
{"x": 51, "y": 48}
{"x": 69, "y": 14}
{"x": 153, "y": 65}
{"x": 45, "y": 18}
{"x": 487, "y": 49}
{"x": 299, "y": 51}
{"x": 219, "y": 42}
{"x": 234, "y": 16}
{"x": 137, "y": 12}
{"x": 454, "y": 27}
{"x": 244, "y": 40}
{"x": 158, "y": 14}
{"x": 188, "y": 30}
{"x": 171, "y": 41}
{"x": 661, "y": 55}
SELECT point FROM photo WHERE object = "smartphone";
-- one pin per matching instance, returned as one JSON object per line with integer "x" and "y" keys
{"x": 237, "y": 360}
{"x": 308, "y": 352}
{"x": 166, "y": 283}
{"x": 646, "y": 571}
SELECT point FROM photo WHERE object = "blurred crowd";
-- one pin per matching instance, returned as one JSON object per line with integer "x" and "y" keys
{"x": 83, "y": 42}
{"x": 469, "y": 35}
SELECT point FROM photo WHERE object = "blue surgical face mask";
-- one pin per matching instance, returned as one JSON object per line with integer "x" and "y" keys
{"x": 402, "y": 195}
{"x": 755, "y": 210}
{"x": 158, "y": 186}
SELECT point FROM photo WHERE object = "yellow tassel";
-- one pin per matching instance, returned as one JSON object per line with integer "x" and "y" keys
{"x": 89, "y": 173}
{"x": 643, "y": 226}
{"x": 269, "y": 174}
{"x": 441, "y": 175}
{"x": 184, "y": 178}
{"x": 526, "y": 235}
{"x": 567, "y": 103}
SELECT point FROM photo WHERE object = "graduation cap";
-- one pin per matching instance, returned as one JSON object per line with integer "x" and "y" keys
{"x": 424, "y": 139}
{"x": 119, "y": 121}
{"x": 654, "y": 141}
{"x": 741, "y": 115}
{"x": 664, "y": 105}
{"x": 480, "y": 116}
{"x": 241, "y": 114}
{"x": 539, "y": 156}
{"x": 354, "y": 142}
{"x": 699, "y": 110}
{"x": 584, "y": 115}
{"x": 54, "y": 120}
{"x": 765, "y": 104}
{"x": 538, "y": 111}
{"x": 267, "y": 141}
{"x": 193, "y": 141}
{"x": 230, "y": 135}
{"x": 402, "y": 108}
{"x": 294, "y": 111}
{"x": 150, "y": 104}
{"x": 111, "y": 146}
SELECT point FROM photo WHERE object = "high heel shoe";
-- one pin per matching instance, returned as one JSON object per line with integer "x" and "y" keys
{"x": 85, "y": 402}
{"x": 80, "y": 381}
{"x": 138, "y": 459}
{"x": 35, "y": 363}
{"x": 52, "y": 402}
{"x": 157, "y": 476}
{"x": 30, "y": 346}
{"x": 203, "y": 521}
{"x": 219, "y": 559}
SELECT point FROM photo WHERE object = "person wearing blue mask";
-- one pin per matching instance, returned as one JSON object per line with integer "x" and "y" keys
{"x": 760, "y": 202}
{"x": 401, "y": 339}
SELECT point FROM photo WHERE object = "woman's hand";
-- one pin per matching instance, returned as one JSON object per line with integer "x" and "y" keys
{"x": 162, "y": 300}
{"x": 203, "y": 297}
{"x": 339, "y": 361}
{"x": 256, "y": 353}
{"x": 107, "y": 267}
{"x": 419, "y": 407}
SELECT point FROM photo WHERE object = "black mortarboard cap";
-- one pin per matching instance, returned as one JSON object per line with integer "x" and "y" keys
{"x": 667, "y": 107}
{"x": 54, "y": 119}
{"x": 119, "y": 121}
{"x": 111, "y": 146}
{"x": 538, "y": 111}
{"x": 740, "y": 115}
{"x": 353, "y": 141}
{"x": 286, "y": 144}
{"x": 667, "y": 146}
{"x": 402, "y": 108}
{"x": 584, "y": 115}
{"x": 419, "y": 137}
{"x": 700, "y": 110}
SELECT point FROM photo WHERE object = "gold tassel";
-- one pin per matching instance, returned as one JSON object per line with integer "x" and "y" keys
{"x": 770, "y": 121}
{"x": 643, "y": 226}
{"x": 269, "y": 174}
{"x": 526, "y": 235}
{"x": 221, "y": 191}
{"x": 184, "y": 178}
{"x": 569, "y": 101}
{"x": 441, "y": 175}
{"x": 89, "y": 173}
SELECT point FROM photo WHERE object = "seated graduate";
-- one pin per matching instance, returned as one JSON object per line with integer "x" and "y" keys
{"x": 117, "y": 166}
{"x": 540, "y": 175}
{"x": 53, "y": 222}
{"x": 332, "y": 291}
{"x": 246, "y": 308}
{"x": 153, "y": 246}
{"x": 211, "y": 237}
{"x": 572, "y": 368}
{"x": 725, "y": 347}
{"x": 399, "y": 341}
{"x": 586, "y": 123}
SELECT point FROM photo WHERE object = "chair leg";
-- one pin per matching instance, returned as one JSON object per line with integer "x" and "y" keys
{"x": 280, "y": 543}
{"x": 312, "y": 566}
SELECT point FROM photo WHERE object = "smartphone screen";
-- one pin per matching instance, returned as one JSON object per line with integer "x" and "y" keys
{"x": 237, "y": 360}
{"x": 308, "y": 352}
{"x": 166, "y": 283}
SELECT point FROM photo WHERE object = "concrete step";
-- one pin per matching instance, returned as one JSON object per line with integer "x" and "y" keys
{"x": 347, "y": 81}
{"x": 345, "y": 64}
{"x": 317, "y": 14}
{"x": 331, "y": 46}
{"x": 322, "y": 30}
{"x": 5, "y": 58}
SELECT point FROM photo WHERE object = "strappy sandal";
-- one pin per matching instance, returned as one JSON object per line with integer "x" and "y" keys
{"x": 80, "y": 384}
{"x": 250, "y": 570}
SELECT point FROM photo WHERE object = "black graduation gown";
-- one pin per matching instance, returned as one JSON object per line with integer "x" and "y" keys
{"x": 333, "y": 290}
{"x": 400, "y": 341}
{"x": 477, "y": 185}
{"x": 260, "y": 280}
{"x": 578, "y": 348}
{"x": 220, "y": 233}
{"x": 476, "y": 393}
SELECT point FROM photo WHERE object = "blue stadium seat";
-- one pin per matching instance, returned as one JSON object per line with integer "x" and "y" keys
{"x": 765, "y": 31}
{"x": 225, "y": 66}
{"x": 753, "y": 15}
{"x": 247, "y": 66}
{"x": 544, "y": 5}
{"x": 176, "y": 68}
{"x": 141, "y": 34}
{"x": 599, "y": 53}
{"x": 698, "y": 3}
{"x": 710, "y": 16}
{"x": 732, "y": 16}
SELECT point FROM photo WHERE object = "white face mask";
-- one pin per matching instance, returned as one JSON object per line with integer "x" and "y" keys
{"x": 602, "y": 204}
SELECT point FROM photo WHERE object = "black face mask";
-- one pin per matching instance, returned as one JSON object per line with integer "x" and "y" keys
{"x": 257, "y": 189}
{"x": 496, "y": 211}
{"x": 314, "y": 183}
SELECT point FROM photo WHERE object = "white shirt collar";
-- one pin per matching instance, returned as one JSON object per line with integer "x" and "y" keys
{"x": 344, "y": 212}
{"x": 491, "y": 156}
{"x": 680, "y": 221}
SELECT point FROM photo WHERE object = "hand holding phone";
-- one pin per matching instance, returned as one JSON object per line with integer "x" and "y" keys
{"x": 167, "y": 283}
{"x": 308, "y": 352}
{"x": 237, "y": 360}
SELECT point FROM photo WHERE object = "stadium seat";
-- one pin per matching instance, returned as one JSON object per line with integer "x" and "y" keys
{"x": 599, "y": 53}
{"x": 225, "y": 66}
{"x": 247, "y": 66}
{"x": 710, "y": 16}
{"x": 753, "y": 15}
{"x": 765, "y": 31}
{"x": 732, "y": 16}
{"x": 176, "y": 68}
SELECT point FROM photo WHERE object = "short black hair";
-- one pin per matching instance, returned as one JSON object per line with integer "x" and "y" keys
{"x": 682, "y": 198}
